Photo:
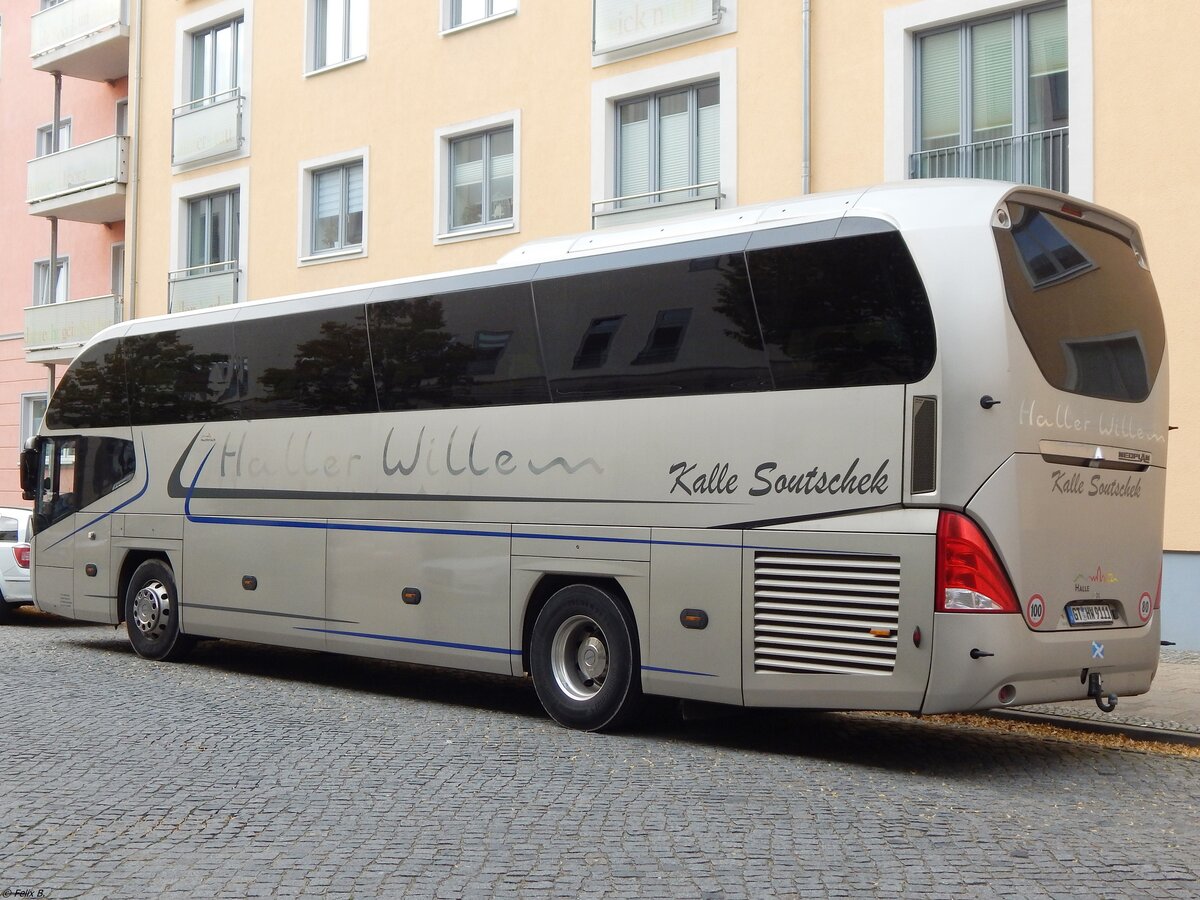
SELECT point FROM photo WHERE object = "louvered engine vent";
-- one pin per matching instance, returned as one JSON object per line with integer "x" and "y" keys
{"x": 825, "y": 613}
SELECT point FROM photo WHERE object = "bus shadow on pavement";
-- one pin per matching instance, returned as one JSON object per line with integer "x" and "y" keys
{"x": 29, "y": 617}
{"x": 385, "y": 678}
{"x": 893, "y": 742}
{"x": 886, "y": 741}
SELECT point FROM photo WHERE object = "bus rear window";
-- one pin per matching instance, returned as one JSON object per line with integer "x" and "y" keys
{"x": 1086, "y": 307}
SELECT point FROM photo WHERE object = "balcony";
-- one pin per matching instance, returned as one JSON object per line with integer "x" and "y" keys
{"x": 201, "y": 287}
{"x": 651, "y": 206}
{"x": 207, "y": 128}
{"x": 82, "y": 39}
{"x": 55, "y": 331}
{"x": 82, "y": 184}
{"x": 1040, "y": 159}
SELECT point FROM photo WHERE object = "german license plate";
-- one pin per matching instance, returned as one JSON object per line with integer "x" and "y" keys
{"x": 1092, "y": 614}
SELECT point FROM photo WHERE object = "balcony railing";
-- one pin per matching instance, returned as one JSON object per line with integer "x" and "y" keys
{"x": 1040, "y": 159}
{"x": 207, "y": 128}
{"x": 653, "y": 205}
{"x": 82, "y": 184}
{"x": 54, "y": 327}
{"x": 82, "y": 39}
{"x": 201, "y": 287}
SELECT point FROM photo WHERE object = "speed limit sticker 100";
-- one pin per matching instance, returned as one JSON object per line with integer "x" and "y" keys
{"x": 1036, "y": 610}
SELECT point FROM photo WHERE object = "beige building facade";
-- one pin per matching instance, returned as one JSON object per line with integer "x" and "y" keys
{"x": 290, "y": 147}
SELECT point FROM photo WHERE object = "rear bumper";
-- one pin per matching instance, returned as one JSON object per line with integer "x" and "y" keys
{"x": 16, "y": 590}
{"x": 1041, "y": 667}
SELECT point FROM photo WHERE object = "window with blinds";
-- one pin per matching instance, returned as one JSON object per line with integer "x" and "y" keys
{"x": 669, "y": 145}
{"x": 992, "y": 99}
{"x": 337, "y": 203}
{"x": 481, "y": 178}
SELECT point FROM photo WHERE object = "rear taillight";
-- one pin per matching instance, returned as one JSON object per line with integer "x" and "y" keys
{"x": 21, "y": 552}
{"x": 970, "y": 577}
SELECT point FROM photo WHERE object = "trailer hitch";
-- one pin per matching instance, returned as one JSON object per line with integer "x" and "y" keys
{"x": 1106, "y": 702}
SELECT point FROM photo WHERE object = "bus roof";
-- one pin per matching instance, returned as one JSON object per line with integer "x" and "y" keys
{"x": 905, "y": 204}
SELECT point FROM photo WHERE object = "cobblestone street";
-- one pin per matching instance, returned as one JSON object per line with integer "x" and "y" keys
{"x": 252, "y": 771}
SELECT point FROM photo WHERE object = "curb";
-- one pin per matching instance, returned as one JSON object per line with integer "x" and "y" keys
{"x": 1137, "y": 732}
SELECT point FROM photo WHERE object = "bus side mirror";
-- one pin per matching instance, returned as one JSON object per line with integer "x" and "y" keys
{"x": 29, "y": 473}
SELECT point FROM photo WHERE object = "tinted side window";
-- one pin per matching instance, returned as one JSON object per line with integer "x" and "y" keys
{"x": 666, "y": 329}
{"x": 849, "y": 311}
{"x": 92, "y": 392}
{"x": 316, "y": 363}
{"x": 185, "y": 375}
{"x": 469, "y": 348}
{"x": 8, "y": 529}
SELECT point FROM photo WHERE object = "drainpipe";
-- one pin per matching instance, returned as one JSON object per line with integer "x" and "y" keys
{"x": 54, "y": 126}
{"x": 135, "y": 139}
{"x": 806, "y": 158}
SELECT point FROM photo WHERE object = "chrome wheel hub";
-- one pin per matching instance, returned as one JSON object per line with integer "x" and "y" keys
{"x": 151, "y": 609}
{"x": 579, "y": 658}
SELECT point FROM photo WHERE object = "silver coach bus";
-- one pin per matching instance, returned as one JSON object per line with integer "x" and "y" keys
{"x": 900, "y": 448}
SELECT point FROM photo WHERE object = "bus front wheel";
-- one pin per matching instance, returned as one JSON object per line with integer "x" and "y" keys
{"x": 152, "y": 613}
{"x": 584, "y": 659}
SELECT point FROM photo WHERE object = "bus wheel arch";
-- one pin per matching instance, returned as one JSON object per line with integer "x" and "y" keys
{"x": 151, "y": 612}
{"x": 584, "y": 655}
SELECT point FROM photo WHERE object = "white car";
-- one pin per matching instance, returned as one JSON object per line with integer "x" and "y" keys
{"x": 14, "y": 560}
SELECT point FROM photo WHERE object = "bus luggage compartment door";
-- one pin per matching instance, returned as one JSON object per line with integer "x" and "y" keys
{"x": 837, "y": 620}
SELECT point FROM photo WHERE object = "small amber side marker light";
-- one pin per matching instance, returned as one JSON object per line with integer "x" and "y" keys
{"x": 694, "y": 618}
{"x": 411, "y": 596}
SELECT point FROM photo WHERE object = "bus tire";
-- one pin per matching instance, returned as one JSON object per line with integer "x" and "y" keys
{"x": 152, "y": 613}
{"x": 583, "y": 656}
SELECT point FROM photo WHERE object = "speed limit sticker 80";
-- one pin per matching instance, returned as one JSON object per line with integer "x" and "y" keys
{"x": 1036, "y": 610}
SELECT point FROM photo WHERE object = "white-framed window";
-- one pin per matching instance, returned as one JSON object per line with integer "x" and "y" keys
{"x": 338, "y": 33}
{"x": 121, "y": 119}
{"x": 669, "y": 144}
{"x": 218, "y": 54}
{"x": 209, "y": 238}
{"x": 213, "y": 64}
{"x": 623, "y": 29}
{"x": 42, "y": 294}
{"x": 661, "y": 132}
{"x": 465, "y": 13}
{"x": 477, "y": 177}
{"x": 481, "y": 178}
{"x": 992, "y": 98}
{"x": 33, "y": 410}
{"x": 334, "y": 192}
{"x": 45, "y": 138}
{"x": 213, "y": 232}
{"x": 990, "y": 88}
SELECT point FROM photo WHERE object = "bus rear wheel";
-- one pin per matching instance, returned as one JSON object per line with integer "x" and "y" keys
{"x": 152, "y": 613}
{"x": 584, "y": 659}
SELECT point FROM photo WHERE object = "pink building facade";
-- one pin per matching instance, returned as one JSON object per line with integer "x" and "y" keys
{"x": 43, "y": 188}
